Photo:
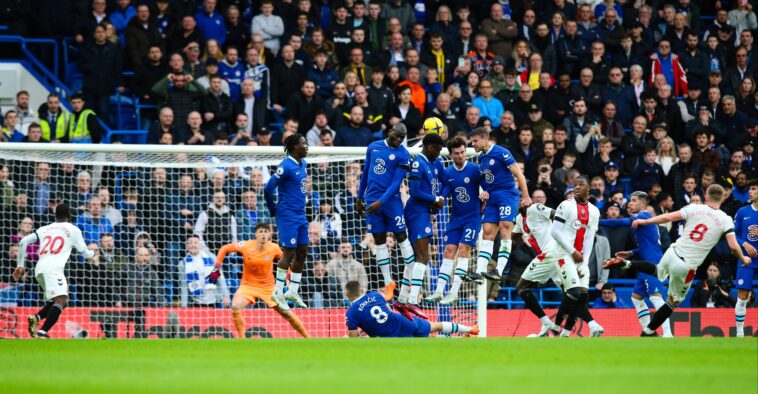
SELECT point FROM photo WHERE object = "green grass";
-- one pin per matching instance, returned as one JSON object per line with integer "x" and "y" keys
{"x": 496, "y": 365}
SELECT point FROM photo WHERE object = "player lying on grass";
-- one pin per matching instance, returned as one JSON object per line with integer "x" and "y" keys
{"x": 258, "y": 258}
{"x": 57, "y": 240}
{"x": 704, "y": 226}
{"x": 370, "y": 313}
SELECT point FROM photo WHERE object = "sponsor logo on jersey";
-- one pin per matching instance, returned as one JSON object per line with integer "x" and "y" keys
{"x": 392, "y": 157}
{"x": 415, "y": 164}
{"x": 293, "y": 240}
{"x": 380, "y": 167}
{"x": 466, "y": 180}
{"x": 492, "y": 161}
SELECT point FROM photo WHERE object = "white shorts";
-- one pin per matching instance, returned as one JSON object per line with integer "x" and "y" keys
{"x": 53, "y": 284}
{"x": 573, "y": 274}
{"x": 679, "y": 273}
{"x": 542, "y": 268}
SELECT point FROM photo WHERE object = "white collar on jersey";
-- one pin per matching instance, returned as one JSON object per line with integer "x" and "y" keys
{"x": 293, "y": 159}
{"x": 465, "y": 163}
{"x": 425, "y": 158}
{"x": 489, "y": 150}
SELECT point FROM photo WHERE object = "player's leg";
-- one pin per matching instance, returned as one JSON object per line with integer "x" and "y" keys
{"x": 59, "y": 304}
{"x": 297, "y": 272}
{"x": 487, "y": 244}
{"x": 395, "y": 221}
{"x": 293, "y": 320}
{"x": 524, "y": 290}
{"x": 33, "y": 320}
{"x": 680, "y": 281}
{"x": 654, "y": 288}
{"x": 240, "y": 301}
{"x": 377, "y": 225}
{"x": 643, "y": 313}
{"x": 575, "y": 294}
{"x": 288, "y": 256}
{"x": 421, "y": 251}
{"x": 461, "y": 270}
{"x": 504, "y": 254}
{"x": 644, "y": 267}
{"x": 744, "y": 281}
{"x": 452, "y": 328}
{"x": 445, "y": 274}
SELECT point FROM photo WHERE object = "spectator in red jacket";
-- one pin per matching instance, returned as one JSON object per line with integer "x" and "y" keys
{"x": 666, "y": 63}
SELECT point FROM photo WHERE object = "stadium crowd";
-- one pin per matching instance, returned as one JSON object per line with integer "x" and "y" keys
{"x": 636, "y": 95}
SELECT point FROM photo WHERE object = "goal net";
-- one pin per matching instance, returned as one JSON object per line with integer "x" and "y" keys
{"x": 140, "y": 207}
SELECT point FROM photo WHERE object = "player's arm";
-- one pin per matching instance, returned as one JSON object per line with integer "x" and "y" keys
{"x": 588, "y": 243}
{"x": 521, "y": 182}
{"x": 216, "y": 273}
{"x": 445, "y": 189}
{"x": 558, "y": 234}
{"x": 731, "y": 240}
{"x": 29, "y": 239}
{"x": 394, "y": 187}
{"x": 417, "y": 192}
{"x": 660, "y": 219}
{"x": 616, "y": 223}
{"x": 81, "y": 246}
{"x": 364, "y": 176}
{"x": 268, "y": 191}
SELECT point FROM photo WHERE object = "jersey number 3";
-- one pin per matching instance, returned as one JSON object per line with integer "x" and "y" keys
{"x": 52, "y": 245}
{"x": 378, "y": 314}
{"x": 698, "y": 233}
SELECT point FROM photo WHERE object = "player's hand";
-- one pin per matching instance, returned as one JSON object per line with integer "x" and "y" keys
{"x": 577, "y": 256}
{"x": 213, "y": 276}
{"x": 746, "y": 261}
{"x": 17, "y": 273}
{"x": 526, "y": 202}
{"x": 360, "y": 207}
{"x": 638, "y": 222}
{"x": 438, "y": 204}
{"x": 373, "y": 208}
{"x": 624, "y": 255}
{"x": 226, "y": 302}
{"x": 750, "y": 249}
{"x": 484, "y": 196}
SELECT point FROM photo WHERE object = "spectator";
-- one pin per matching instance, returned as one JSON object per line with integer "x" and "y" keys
{"x": 141, "y": 33}
{"x": 184, "y": 35}
{"x": 164, "y": 125}
{"x": 126, "y": 232}
{"x": 712, "y": 292}
{"x": 269, "y": 26}
{"x": 111, "y": 213}
{"x": 705, "y": 154}
{"x": 216, "y": 107}
{"x": 288, "y": 78}
{"x": 93, "y": 223}
{"x": 181, "y": 93}
{"x": 634, "y": 144}
{"x": 608, "y": 299}
{"x": 345, "y": 267}
{"x": 405, "y": 112}
{"x": 648, "y": 172}
{"x": 113, "y": 259}
{"x": 405, "y": 15}
{"x": 100, "y": 63}
{"x": 53, "y": 117}
{"x": 500, "y": 32}
{"x": 86, "y": 23}
{"x": 211, "y": 23}
{"x": 254, "y": 108}
{"x": 304, "y": 105}
{"x": 79, "y": 199}
{"x": 544, "y": 182}
{"x": 248, "y": 216}
{"x": 10, "y": 131}
{"x": 667, "y": 63}
{"x": 322, "y": 74}
{"x": 230, "y": 70}
{"x": 195, "y": 134}
{"x": 217, "y": 225}
{"x": 742, "y": 17}
{"x": 488, "y": 105}
{"x": 237, "y": 34}
{"x": 194, "y": 270}
{"x": 322, "y": 290}
{"x": 733, "y": 121}
{"x": 354, "y": 133}
{"x": 320, "y": 127}
{"x": 318, "y": 248}
{"x": 26, "y": 227}
{"x": 95, "y": 280}
{"x": 140, "y": 286}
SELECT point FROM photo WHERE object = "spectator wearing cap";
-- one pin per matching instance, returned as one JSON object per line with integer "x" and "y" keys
{"x": 537, "y": 122}
{"x": 487, "y": 104}
{"x": 611, "y": 174}
{"x": 608, "y": 299}
{"x": 497, "y": 76}
{"x": 689, "y": 106}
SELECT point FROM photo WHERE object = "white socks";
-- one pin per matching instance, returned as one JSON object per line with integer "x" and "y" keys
{"x": 417, "y": 280}
{"x": 452, "y": 328}
{"x": 593, "y": 325}
{"x": 503, "y": 255}
{"x": 443, "y": 277}
{"x": 383, "y": 260}
{"x": 406, "y": 250}
{"x": 294, "y": 282}
{"x": 281, "y": 278}
{"x": 643, "y": 313}
{"x": 740, "y": 310}
{"x": 546, "y": 321}
{"x": 485, "y": 254}
{"x": 460, "y": 270}
{"x": 658, "y": 302}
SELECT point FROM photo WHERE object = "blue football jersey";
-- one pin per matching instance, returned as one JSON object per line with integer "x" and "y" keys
{"x": 494, "y": 166}
{"x": 464, "y": 188}
{"x": 379, "y": 169}
{"x": 425, "y": 183}
{"x": 648, "y": 237}
{"x": 371, "y": 314}
{"x": 746, "y": 219}
{"x": 289, "y": 179}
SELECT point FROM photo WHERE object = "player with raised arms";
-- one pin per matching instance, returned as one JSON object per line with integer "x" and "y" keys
{"x": 384, "y": 169}
{"x": 427, "y": 186}
{"x": 290, "y": 179}
{"x": 502, "y": 180}
{"x": 462, "y": 231}
{"x": 56, "y": 241}
{"x": 370, "y": 313}
{"x": 648, "y": 249}
{"x": 574, "y": 227}
{"x": 258, "y": 258}
{"x": 704, "y": 226}
{"x": 746, "y": 229}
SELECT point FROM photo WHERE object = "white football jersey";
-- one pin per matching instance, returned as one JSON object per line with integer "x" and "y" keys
{"x": 536, "y": 228}
{"x": 580, "y": 223}
{"x": 703, "y": 228}
{"x": 56, "y": 241}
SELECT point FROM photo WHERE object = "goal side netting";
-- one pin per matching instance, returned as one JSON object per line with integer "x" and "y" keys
{"x": 140, "y": 206}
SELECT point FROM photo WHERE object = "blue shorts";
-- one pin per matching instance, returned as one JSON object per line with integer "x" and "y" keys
{"x": 646, "y": 285}
{"x": 414, "y": 328}
{"x": 419, "y": 225}
{"x": 463, "y": 231}
{"x": 745, "y": 276}
{"x": 502, "y": 208}
{"x": 389, "y": 218}
{"x": 292, "y": 232}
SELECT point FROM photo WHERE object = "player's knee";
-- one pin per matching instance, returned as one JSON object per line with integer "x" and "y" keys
{"x": 576, "y": 294}
{"x": 400, "y": 237}
{"x": 62, "y": 301}
{"x": 523, "y": 286}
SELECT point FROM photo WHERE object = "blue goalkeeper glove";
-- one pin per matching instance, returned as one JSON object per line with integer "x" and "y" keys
{"x": 213, "y": 276}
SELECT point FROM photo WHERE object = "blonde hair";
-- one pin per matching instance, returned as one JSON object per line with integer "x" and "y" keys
{"x": 672, "y": 153}
{"x": 219, "y": 55}
{"x": 439, "y": 11}
{"x": 715, "y": 193}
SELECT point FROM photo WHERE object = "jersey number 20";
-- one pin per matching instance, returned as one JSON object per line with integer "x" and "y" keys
{"x": 52, "y": 245}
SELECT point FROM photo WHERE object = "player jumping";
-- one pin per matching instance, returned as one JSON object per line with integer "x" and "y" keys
{"x": 427, "y": 184}
{"x": 648, "y": 249}
{"x": 501, "y": 181}
{"x": 462, "y": 230}
{"x": 384, "y": 170}
{"x": 370, "y": 313}
{"x": 746, "y": 229}
{"x": 704, "y": 226}
{"x": 56, "y": 241}
{"x": 258, "y": 258}
{"x": 290, "y": 178}
{"x": 574, "y": 228}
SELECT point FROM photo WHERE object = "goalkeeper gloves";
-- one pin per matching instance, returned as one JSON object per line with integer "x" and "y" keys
{"x": 213, "y": 276}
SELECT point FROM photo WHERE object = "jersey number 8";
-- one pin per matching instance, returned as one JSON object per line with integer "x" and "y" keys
{"x": 378, "y": 314}
{"x": 698, "y": 233}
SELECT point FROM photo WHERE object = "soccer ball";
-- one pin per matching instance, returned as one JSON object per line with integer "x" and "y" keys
{"x": 434, "y": 125}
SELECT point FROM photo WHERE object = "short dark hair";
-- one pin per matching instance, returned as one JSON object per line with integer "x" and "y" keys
{"x": 433, "y": 139}
{"x": 77, "y": 96}
{"x": 263, "y": 225}
{"x": 352, "y": 289}
{"x": 480, "y": 132}
{"x": 62, "y": 213}
{"x": 456, "y": 142}
{"x": 642, "y": 196}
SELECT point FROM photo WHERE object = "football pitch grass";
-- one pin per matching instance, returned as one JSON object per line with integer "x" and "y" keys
{"x": 533, "y": 365}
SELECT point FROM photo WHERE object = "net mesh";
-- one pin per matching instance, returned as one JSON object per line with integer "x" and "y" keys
{"x": 138, "y": 209}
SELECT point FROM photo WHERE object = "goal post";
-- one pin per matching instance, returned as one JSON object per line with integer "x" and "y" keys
{"x": 139, "y": 206}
